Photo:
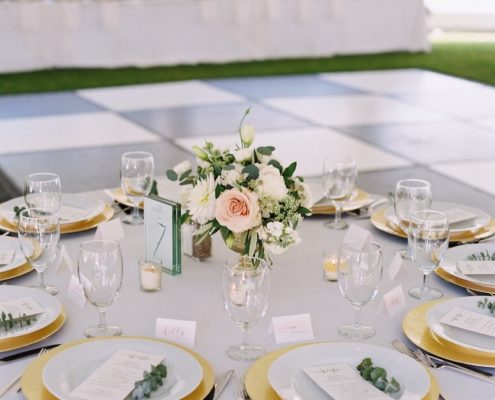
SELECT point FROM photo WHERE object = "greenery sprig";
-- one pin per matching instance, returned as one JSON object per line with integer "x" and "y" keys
{"x": 18, "y": 210}
{"x": 151, "y": 382}
{"x": 482, "y": 256}
{"x": 487, "y": 304}
{"x": 378, "y": 377}
{"x": 9, "y": 322}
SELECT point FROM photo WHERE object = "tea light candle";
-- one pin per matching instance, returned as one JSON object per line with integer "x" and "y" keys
{"x": 330, "y": 260}
{"x": 150, "y": 275}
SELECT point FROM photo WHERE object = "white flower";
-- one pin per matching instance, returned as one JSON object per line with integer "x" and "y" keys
{"x": 201, "y": 202}
{"x": 230, "y": 176}
{"x": 270, "y": 183}
{"x": 305, "y": 194}
{"x": 202, "y": 163}
{"x": 275, "y": 228}
{"x": 182, "y": 167}
{"x": 243, "y": 155}
{"x": 184, "y": 195}
{"x": 247, "y": 134}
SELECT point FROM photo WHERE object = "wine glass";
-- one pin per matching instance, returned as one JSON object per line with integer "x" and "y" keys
{"x": 39, "y": 234}
{"x": 428, "y": 240}
{"x": 99, "y": 267}
{"x": 43, "y": 190}
{"x": 246, "y": 286}
{"x": 411, "y": 195}
{"x": 339, "y": 181}
{"x": 359, "y": 271}
{"x": 136, "y": 178}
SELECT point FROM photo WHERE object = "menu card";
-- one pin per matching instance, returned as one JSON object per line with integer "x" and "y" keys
{"x": 115, "y": 379}
{"x": 6, "y": 256}
{"x": 476, "y": 267}
{"x": 18, "y": 307}
{"x": 343, "y": 382}
{"x": 470, "y": 321}
{"x": 456, "y": 215}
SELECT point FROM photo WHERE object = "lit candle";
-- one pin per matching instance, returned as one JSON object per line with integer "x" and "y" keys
{"x": 330, "y": 260}
{"x": 150, "y": 274}
{"x": 238, "y": 295}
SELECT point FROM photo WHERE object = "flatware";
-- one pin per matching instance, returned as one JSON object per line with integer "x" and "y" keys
{"x": 221, "y": 382}
{"x": 26, "y": 353}
{"x": 240, "y": 388}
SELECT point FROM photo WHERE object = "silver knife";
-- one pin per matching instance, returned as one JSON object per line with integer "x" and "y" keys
{"x": 221, "y": 382}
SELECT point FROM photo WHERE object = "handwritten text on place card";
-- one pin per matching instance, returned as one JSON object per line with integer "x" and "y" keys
{"x": 176, "y": 330}
{"x": 292, "y": 328}
{"x": 470, "y": 321}
{"x": 393, "y": 302}
{"x": 115, "y": 379}
{"x": 18, "y": 307}
{"x": 111, "y": 230}
{"x": 75, "y": 292}
{"x": 476, "y": 267}
{"x": 7, "y": 256}
{"x": 336, "y": 379}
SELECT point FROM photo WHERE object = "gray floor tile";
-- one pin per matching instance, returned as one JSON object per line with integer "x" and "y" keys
{"x": 44, "y": 104}
{"x": 430, "y": 142}
{"x": 88, "y": 169}
{"x": 282, "y": 86}
{"x": 210, "y": 119}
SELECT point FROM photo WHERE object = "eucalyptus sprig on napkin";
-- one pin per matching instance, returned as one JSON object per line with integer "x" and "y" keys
{"x": 482, "y": 256}
{"x": 18, "y": 210}
{"x": 9, "y": 322}
{"x": 377, "y": 376}
{"x": 489, "y": 305}
{"x": 151, "y": 382}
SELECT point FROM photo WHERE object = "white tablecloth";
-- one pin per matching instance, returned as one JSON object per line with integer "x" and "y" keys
{"x": 297, "y": 287}
{"x": 45, "y": 34}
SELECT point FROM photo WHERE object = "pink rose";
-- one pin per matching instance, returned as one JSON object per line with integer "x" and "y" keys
{"x": 238, "y": 210}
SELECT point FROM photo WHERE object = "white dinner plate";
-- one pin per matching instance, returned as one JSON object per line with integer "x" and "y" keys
{"x": 49, "y": 303}
{"x": 482, "y": 218}
{"x": 459, "y": 336}
{"x": 74, "y": 208}
{"x": 461, "y": 253}
{"x": 68, "y": 369}
{"x": 290, "y": 382}
{"x": 8, "y": 243}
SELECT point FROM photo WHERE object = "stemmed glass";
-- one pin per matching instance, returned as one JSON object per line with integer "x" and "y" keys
{"x": 359, "y": 271}
{"x": 428, "y": 240}
{"x": 136, "y": 178}
{"x": 39, "y": 234}
{"x": 43, "y": 190}
{"x": 339, "y": 181}
{"x": 99, "y": 267}
{"x": 246, "y": 287}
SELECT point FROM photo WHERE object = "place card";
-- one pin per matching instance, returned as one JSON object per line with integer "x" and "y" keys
{"x": 64, "y": 260}
{"x": 396, "y": 268}
{"x": 456, "y": 215}
{"x": 292, "y": 328}
{"x": 356, "y": 233}
{"x": 476, "y": 267}
{"x": 470, "y": 321}
{"x": 343, "y": 382}
{"x": 75, "y": 292}
{"x": 176, "y": 330}
{"x": 6, "y": 256}
{"x": 110, "y": 230}
{"x": 393, "y": 302}
{"x": 18, "y": 307}
{"x": 115, "y": 379}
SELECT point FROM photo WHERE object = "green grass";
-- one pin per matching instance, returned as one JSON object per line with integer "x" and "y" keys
{"x": 475, "y": 61}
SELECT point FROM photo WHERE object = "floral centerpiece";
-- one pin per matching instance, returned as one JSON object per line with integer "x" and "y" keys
{"x": 246, "y": 194}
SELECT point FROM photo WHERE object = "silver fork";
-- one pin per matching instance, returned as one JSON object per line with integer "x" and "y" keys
{"x": 241, "y": 392}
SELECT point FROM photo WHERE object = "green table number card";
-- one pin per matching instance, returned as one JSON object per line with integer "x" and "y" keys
{"x": 162, "y": 233}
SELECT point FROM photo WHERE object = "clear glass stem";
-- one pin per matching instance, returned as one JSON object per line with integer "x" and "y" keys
{"x": 102, "y": 322}
{"x": 135, "y": 212}
{"x": 41, "y": 280}
{"x": 357, "y": 316}
{"x": 338, "y": 213}
{"x": 245, "y": 337}
{"x": 425, "y": 288}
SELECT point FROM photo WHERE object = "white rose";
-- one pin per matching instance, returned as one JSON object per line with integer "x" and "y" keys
{"x": 243, "y": 155}
{"x": 182, "y": 167}
{"x": 270, "y": 183}
{"x": 305, "y": 194}
{"x": 247, "y": 134}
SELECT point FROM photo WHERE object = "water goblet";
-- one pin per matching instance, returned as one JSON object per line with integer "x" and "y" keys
{"x": 136, "y": 178}
{"x": 99, "y": 267}
{"x": 339, "y": 181}
{"x": 39, "y": 235}
{"x": 428, "y": 240}
{"x": 43, "y": 190}
{"x": 359, "y": 271}
{"x": 246, "y": 286}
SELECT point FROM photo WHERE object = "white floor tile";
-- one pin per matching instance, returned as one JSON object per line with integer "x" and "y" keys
{"x": 309, "y": 146}
{"x": 348, "y": 110}
{"x": 25, "y": 135}
{"x": 163, "y": 95}
{"x": 399, "y": 80}
{"x": 478, "y": 174}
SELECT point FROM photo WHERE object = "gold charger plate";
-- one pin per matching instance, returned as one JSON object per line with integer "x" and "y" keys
{"x": 32, "y": 381}
{"x": 104, "y": 216}
{"x": 379, "y": 221}
{"x": 416, "y": 329}
{"x": 464, "y": 283}
{"x": 120, "y": 197}
{"x": 258, "y": 386}
{"x": 33, "y": 337}
{"x": 15, "y": 272}
{"x": 359, "y": 200}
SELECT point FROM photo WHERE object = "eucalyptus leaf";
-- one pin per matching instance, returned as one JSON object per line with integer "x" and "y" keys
{"x": 171, "y": 174}
{"x": 289, "y": 171}
{"x": 252, "y": 171}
